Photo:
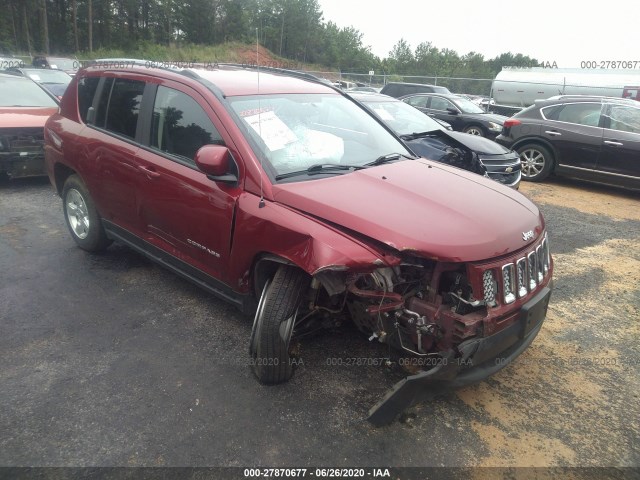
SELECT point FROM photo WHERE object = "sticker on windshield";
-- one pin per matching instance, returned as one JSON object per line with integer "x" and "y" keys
{"x": 271, "y": 129}
{"x": 383, "y": 114}
{"x": 35, "y": 77}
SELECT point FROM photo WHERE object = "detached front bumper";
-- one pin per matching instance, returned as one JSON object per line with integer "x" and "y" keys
{"x": 473, "y": 361}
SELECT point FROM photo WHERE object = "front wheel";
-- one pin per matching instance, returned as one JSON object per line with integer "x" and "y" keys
{"x": 82, "y": 217}
{"x": 474, "y": 130}
{"x": 537, "y": 162}
{"x": 273, "y": 325}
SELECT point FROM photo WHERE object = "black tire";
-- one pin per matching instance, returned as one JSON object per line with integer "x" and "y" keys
{"x": 537, "y": 162}
{"x": 475, "y": 130}
{"x": 273, "y": 325}
{"x": 81, "y": 216}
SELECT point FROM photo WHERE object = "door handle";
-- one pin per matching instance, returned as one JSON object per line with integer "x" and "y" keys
{"x": 150, "y": 172}
{"x": 615, "y": 144}
{"x": 552, "y": 133}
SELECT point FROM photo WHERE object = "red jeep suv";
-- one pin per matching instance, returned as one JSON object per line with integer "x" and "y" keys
{"x": 284, "y": 196}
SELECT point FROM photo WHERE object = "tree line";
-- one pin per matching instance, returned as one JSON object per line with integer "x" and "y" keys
{"x": 292, "y": 29}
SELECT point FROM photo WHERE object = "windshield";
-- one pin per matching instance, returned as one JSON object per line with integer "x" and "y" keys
{"x": 22, "y": 92}
{"x": 467, "y": 106}
{"x": 402, "y": 117}
{"x": 42, "y": 75}
{"x": 297, "y": 131}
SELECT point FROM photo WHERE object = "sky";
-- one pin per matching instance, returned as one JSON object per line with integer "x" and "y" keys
{"x": 564, "y": 32}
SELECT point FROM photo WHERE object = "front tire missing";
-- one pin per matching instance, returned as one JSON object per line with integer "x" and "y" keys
{"x": 273, "y": 325}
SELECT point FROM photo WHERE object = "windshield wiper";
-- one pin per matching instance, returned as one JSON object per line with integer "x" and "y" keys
{"x": 390, "y": 157}
{"x": 320, "y": 168}
{"x": 411, "y": 136}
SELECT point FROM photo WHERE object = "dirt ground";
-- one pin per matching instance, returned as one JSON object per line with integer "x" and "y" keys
{"x": 557, "y": 406}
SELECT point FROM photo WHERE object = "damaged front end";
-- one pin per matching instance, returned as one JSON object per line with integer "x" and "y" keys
{"x": 22, "y": 152}
{"x": 453, "y": 324}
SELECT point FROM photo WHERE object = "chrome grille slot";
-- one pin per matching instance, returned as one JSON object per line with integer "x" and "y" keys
{"x": 522, "y": 277}
{"x": 539, "y": 266}
{"x": 545, "y": 256}
{"x": 508, "y": 283}
{"x": 532, "y": 268}
{"x": 489, "y": 287}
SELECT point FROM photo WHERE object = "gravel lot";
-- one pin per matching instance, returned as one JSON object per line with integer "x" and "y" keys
{"x": 110, "y": 360}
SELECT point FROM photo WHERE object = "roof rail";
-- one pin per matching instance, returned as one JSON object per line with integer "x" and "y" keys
{"x": 283, "y": 71}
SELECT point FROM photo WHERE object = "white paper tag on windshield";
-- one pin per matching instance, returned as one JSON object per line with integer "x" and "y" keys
{"x": 271, "y": 129}
{"x": 383, "y": 114}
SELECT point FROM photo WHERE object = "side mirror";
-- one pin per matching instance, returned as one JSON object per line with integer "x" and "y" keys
{"x": 452, "y": 111}
{"x": 216, "y": 162}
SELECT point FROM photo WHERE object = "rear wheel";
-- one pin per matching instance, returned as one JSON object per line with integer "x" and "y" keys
{"x": 82, "y": 217}
{"x": 537, "y": 162}
{"x": 273, "y": 325}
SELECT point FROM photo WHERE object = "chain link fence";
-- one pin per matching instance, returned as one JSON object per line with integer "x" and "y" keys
{"x": 471, "y": 86}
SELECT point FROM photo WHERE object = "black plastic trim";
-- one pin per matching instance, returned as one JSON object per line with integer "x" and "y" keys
{"x": 245, "y": 302}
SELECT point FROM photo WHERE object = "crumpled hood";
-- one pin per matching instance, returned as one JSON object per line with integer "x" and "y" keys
{"x": 478, "y": 144}
{"x": 423, "y": 207}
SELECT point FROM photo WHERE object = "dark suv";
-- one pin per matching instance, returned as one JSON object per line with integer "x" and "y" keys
{"x": 400, "y": 89}
{"x": 287, "y": 198}
{"x": 588, "y": 137}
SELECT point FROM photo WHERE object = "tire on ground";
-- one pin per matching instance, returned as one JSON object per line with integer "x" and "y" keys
{"x": 273, "y": 325}
{"x": 475, "y": 128}
{"x": 537, "y": 162}
{"x": 81, "y": 216}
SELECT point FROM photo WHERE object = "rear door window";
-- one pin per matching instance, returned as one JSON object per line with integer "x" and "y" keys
{"x": 624, "y": 118}
{"x": 579, "y": 113}
{"x": 421, "y": 102}
{"x": 124, "y": 107}
{"x": 438, "y": 103}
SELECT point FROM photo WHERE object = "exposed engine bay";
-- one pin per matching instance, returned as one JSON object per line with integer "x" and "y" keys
{"x": 439, "y": 148}
{"x": 421, "y": 308}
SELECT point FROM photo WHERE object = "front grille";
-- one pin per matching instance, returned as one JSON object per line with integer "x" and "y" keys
{"x": 520, "y": 277}
{"x": 504, "y": 170}
{"x": 27, "y": 140}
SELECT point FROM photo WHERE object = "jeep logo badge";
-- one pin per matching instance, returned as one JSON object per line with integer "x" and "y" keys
{"x": 527, "y": 235}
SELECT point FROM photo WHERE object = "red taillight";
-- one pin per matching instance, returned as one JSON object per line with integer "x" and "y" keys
{"x": 512, "y": 122}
